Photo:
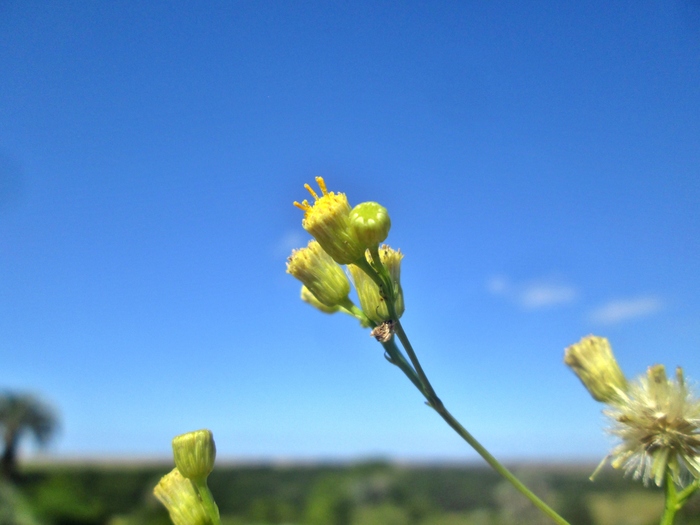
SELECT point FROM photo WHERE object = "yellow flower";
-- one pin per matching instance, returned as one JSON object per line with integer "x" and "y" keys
{"x": 593, "y": 362}
{"x": 373, "y": 304}
{"x": 328, "y": 220}
{"x": 320, "y": 274}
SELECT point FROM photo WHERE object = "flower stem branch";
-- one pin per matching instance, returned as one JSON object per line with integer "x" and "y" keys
{"x": 671, "y": 504}
{"x": 684, "y": 494}
{"x": 350, "y": 308}
{"x": 445, "y": 414}
{"x": 674, "y": 499}
{"x": 428, "y": 390}
{"x": 208, "y": 501}
{"x": 395, "y": 357}
{"x": 420, "y": 380}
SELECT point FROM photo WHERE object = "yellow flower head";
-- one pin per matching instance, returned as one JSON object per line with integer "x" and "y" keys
{"x": 179, "y": 496}
{"x": 593, "y": 362}
{"x": 328, "y": 220}
{"x": 320, "y": 274}
{"x": 373, "y": 304}
{"x": 658, "y": 424}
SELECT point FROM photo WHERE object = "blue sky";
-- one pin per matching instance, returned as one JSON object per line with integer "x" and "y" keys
{"x": 540, "y": 163}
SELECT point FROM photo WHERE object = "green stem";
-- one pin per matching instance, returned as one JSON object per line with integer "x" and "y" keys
{"x": 684, "y": 494}
{"x": 366, "y": 267}
{"x": 445, "y": 414}
{"x": 208, "y": 501}
{"x": 430, "y": 394}
{"x": 374, "y": 252}
{"x": 671, "y": 505}
{"x": 351, "y": 309}
{"x": 674, "y": 499}
{"x": 417, "y": 375}
{"x": 496, "y": 465}
{"x": 397, "y": 358}
{"x": 439, "y": 407}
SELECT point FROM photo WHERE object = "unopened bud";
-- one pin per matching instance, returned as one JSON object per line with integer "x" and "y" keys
{"x": 371, "y": 223}
{"x": 194, "y": 454}
{"x": 180, "y": 498}
{"x": 310, "y": 298}
{"x": 593, "y": 362}
{"x": 371, "y": 299}
{"x": 317, "y": 271}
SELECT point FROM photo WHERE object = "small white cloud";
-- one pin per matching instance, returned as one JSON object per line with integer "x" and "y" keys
{"x": 497, "y": 285}
{"x": 625, "y": 309}
{"x": 543, "y": 294}
{"x": 533, "y": 295}
{"x": 292, "y": 239}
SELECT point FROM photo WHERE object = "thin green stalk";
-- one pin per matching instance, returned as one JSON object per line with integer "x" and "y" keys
{"x": 374, "y": 252}
{"x": 433, "y": 399}
{"x": 417, "y": 375}
{"x": 439, "y": 407}
{"x": 366, "y": 267}
{"x": 497, "y": 466}
{"x": 356, "y": 312}
{"x": 381, "y": 277}
{"x": 397, "y": 358}
{"x": 674, "y": 499}
{"x": 671, "y": 505}
{"x": 208, "y": 501}
{"x": 684, "y": 494}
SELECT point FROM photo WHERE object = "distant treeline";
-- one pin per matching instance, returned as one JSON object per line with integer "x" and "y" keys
{"x": 372, "y": 493}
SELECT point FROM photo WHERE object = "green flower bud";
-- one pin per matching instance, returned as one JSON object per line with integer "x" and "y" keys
{"x": 320, "y": 274}
{"x": 194, "y": 454}
{"x": 371, "y": 223}
{"x": 328, "y": 220}
{"x": 373, "y": 304}
{"x": 180, "y": 498}
{"x": 593, "y": 362}
{"x": 310, "y": 298}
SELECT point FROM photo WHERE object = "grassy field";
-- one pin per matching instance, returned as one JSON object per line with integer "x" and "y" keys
{"x": 331, "y": 494}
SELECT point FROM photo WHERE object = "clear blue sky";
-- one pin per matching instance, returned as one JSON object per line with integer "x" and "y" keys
{"x": 540, "y": 162}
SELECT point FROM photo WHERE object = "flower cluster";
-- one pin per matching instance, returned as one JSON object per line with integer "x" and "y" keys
{"x": 656, "y": 419}
{"x": 348, "y": 236}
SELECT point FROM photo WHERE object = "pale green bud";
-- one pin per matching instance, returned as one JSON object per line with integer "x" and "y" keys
{"x": 373, "y": 304}
{"x": 194, "y": 454}
{"x": 180, "y": 498}
{"x": 310, "y": 298}
{"x": 593, "y": 362}
{"x": 371, "y": 223}
{"x": 328, "y": 220}
{"x": 323, "y": 277}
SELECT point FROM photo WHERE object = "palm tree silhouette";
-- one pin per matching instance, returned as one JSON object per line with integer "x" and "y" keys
{"x": 22, "y": 413}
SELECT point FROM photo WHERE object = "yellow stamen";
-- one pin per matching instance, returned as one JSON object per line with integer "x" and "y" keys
{"x": 321, "y": 184}
{"x": 303, "y": 206}
{"x": 311, "y": 191}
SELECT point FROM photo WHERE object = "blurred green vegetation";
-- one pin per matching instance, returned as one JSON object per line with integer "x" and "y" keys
{"x": 371, "y": 493}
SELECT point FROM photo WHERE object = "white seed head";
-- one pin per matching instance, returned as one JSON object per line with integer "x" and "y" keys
{"x": 658, "y": 423}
